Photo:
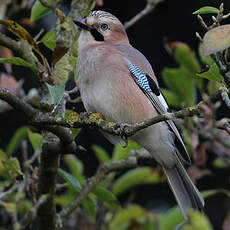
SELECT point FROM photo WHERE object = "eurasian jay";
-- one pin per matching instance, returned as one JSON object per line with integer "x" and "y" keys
{"x": 117, "y": 81}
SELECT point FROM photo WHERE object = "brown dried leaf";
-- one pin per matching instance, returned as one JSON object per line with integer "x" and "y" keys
{"x": 200, "y": 156}
{"x": 6, "y": 53}
{"x": 217, "y": 39}
{"x": 8, "y": 81}
{"x": 58, "y": 53}
{"x": 195, "y": 140}
{"x": 206, "y": 111}
{"x": 99, "y": 2}
{"x": 27, "y": 22}
{"x": 221, "y": 149}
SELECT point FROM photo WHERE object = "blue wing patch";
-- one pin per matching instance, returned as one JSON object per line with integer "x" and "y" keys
{"x": 139, "y": 76}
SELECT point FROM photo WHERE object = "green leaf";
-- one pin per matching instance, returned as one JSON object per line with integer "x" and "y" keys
{"x": 171, "y": 97}
{"x": 18, "y": 61}
{"x": 212, "y": 74}
{"x": 186, "y": 57}
{"x": 187, "y": 60}
{"x": 120, "y": 152}
{"x": 38, "y": 10}
{"x": 36, "y": 140}
{"x": 104, "y": 194}
{"x": 64, "y": 200}
{"x": 75, "y": 166}
{"x": 19, "y": 135}
{"x": 124, "y": 216}
{"x": 72, "y": 181}
{"x": 213, "y": 87}
{"x": 101, "y": 154}
{"x": 171, "y": 219}
{"x": 13, "y": 166}
{"x": 178, "y": 81}
{"x": 49, "y": 39}
{"x": 134, "y": 177}
{"x": 56, "y": 92}
{"x": 207, "y": 10}
{"x": 89, "y": 205}
{"x": 208, "y": 193}
{"x": 216, "y": 39}
{"x": 24, "y": 206}
{"x": 197, "y": 221}
{"x": 150, "y": 224}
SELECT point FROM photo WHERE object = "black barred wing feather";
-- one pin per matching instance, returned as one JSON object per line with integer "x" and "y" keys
{"x": 153, "y": 93}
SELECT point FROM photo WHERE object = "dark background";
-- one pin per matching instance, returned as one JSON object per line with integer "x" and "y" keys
{"x": 172, "y": 20}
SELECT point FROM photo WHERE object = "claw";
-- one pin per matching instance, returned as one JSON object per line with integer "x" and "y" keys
{"x": 122, "y": 133}
{"x": 82, "y": 114}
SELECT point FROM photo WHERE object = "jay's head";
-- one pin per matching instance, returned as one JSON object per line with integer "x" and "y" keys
{"x": 101, "y": 27}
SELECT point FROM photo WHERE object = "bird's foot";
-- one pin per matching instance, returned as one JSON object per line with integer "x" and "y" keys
{"x": 123, "y": 135}
{"x": 82, "y": 114}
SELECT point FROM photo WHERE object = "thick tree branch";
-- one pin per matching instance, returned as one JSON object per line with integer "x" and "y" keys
{"x": 34, "y": 116}
{"x": 96, "y": 120}
{"x": 47, "y": 185}
{"x": 17, "y": 103}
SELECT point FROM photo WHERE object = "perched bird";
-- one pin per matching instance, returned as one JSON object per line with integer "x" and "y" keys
{"x": 117, "y": 81}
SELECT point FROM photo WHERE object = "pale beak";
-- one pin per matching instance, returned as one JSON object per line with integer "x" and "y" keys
{"x": 81, "y": 22}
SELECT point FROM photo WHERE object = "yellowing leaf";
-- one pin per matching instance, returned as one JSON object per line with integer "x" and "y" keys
{"x": 3, "y": 158}
{"x": 217, "y": 39}
{"x": 23, "y": 34}
{"x": 10, "y": 207}
{"x": 62, "y": 70}
{"x": 13, "y": 167}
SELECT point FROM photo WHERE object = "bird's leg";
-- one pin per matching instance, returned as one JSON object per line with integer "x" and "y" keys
{"x": 82, "y": 114}
{"x": 123, "y": 135}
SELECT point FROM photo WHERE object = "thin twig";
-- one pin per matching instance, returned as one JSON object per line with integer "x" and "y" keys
{"x": 147, "y": 10}
{"x": 224, "y": 94}
{"x": 102, "y": 171}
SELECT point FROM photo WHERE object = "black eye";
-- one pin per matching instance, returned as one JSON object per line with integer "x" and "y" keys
{"x": 104, "y": 27}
